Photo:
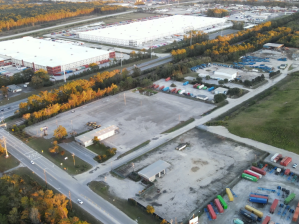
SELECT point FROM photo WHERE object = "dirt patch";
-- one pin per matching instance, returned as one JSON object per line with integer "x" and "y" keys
{"x": 195, "y": 168}
{"x": 199, "y": 162}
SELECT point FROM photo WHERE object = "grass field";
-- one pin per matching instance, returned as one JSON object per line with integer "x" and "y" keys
{"x": 273, "y": 120}
{"x": 28, "y": 175}
{"x": 42, "y": 146}
{"x": 133, "y": 212}
{"x": 8, "y": 163}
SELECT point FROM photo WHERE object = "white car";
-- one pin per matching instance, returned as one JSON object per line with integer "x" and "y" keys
{"x": 32, "y": 162}
{"x": 294, "y": 165}
{"x": 80, "y": 202}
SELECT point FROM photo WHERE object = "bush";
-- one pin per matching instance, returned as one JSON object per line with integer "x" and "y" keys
{"x": 208, "y": 77}
{"x": 131, "y": 201}
{"x": 150, "y": 209}
{"x": 173, "y": 85}
{"x": 219, "y": 98}
{"x": 221, "y": 82}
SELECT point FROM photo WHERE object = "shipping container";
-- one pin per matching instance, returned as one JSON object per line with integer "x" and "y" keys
{"x": 271, "y": 222}
{"x": 286, "y": 162}
{"x": 287, "y": 172}
{"x": 249, "y": 177}
{"x": 273, "y": 206}
{"x": 162, "y": 87}
{"x": 212, "y": 88}
{"x": 296, "y": 214}
{"x": 181, "y": 91}
{"x": 258, "y": 200}
{"x": 185, "y": 83}
{"x": 157, "y": 86}
{"x": 211, "y": 211}
{"x": 218, "y": 205}
{"x": 224, "y": 205}
{"x": 258, "y": 170}
{"x": 177, "y": 90}
{"x": 251, "y": 173}
{"x": 238, "y": 221}
{"x": 258, "y": 196}
{"x": 200, "y": 87}
{"x": 260, "y": 175}
{"x": 229, "y": 194}
{"x": 266, "y": 220}
{"x": 277, "y": 158}
{"x": 173, "y": 90}
{"x": 248, "y": 214}
{"x": 254, "y": 211}
{"x": 289, "y": 198}
{"x": 273, "y": 157}
{"x": 166, "y": 89}
{"x": 284, "y": 159}
{"x": 195, "y": 85}
{"x": 167, "y": 79}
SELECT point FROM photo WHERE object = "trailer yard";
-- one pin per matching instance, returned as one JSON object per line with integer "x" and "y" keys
{"x": 196, "y": 173}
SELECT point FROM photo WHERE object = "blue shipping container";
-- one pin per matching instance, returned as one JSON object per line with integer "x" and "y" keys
{"x": 258, "y": 200}
{"x": 166, "y": 88}
{"x": 210, "y": 89}
{"x": 186, "y": 83}
{"x": 248, "y": 214}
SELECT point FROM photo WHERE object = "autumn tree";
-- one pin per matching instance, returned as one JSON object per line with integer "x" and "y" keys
{"x": 2, "y": 150}
{"x": 60, "y": 132}
{"x": 96, "y": 140}
{"x": 4, "y": 91}
{"x": 163, "y": 221}
{"x": 150, "y": 209}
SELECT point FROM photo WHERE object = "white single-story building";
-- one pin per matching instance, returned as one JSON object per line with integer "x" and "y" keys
{"x": 220, "y": 90}
{"x": 14, "y": 88}
{"x": 154, "y": 170}
{"x": 225, "y": 73}
{"x": 202, "y": 97}
{"x": 102, "y": 133}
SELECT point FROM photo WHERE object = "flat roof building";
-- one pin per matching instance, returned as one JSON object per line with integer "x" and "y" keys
{"x": 225, "y": 73}
{"x": 138, "y": 33}
{"x": 14, "y": 88}
{"x": 272, "y": 45}
{"x": 221, "y": 90}
{"x": 51, "y": 56}
{"x": 101, "y": 133}
{"x": 154, "y": 170}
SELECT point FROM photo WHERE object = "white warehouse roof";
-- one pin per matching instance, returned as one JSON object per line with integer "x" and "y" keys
{"x": 47, "y": 53}
{"x": 151, "y": 29}
{"x": 153, "y": 169}
{"x": 96, "y": 132}
{"x": 226, "y": 71}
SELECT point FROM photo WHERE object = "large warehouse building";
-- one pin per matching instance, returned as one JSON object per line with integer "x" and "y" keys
{"x": 51, "y": 56}
{"x": 102, "y": 133}
{"x": 154, "y": 170}
{"x": 138, "y": 33}
{"x": 225, "y": 73}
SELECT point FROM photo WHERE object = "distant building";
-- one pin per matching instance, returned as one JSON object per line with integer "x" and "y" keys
{"x": 220, "y": 90}
{"x": 295, "y": 55}
{"x": 14, "y": 88}
{"x": 154, "y": 170}
{"x": 202, "y": 97}
{"x": 272, "y": 46}
{"x": 225, "y": 73}
{"x": 101, "y": 133}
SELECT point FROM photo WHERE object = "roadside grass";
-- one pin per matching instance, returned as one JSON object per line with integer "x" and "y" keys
{"x": 272, "y": 120}
{"x": 192, "y": 74}
{"x": 178, "y": 126}
{"x": 99, "y": 149}
{"x": 42, "y": 146}
{"x": 134, "y": 212}
{"x": 8, "y": 163}
{"x": 134, "y": 149}
{"x": 77, "y": 211}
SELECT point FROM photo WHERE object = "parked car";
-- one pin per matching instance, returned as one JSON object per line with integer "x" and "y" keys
{"x": 294, "y": 165}
{"x": 32, "y": 162}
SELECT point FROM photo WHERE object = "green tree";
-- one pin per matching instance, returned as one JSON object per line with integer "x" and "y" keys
{"x": 225, "y": 80}
{"x": 36, "y": 82}
{"x": 146, "y": 82}
{"x": 27, "y": 74}
{"x": 221, "y": 82}
{"x": 150, "y": 209}
{"x": 219, "y": 98}
{"x": 13, "y": 216}
{"x": 3, "y": 219}
{"x": 208, "y": 77}
{"x": 247, "y": 83}
{"x": 136, "y": 72}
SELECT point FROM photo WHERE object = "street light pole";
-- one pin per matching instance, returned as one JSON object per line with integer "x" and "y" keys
{"x": 74, "y": 158}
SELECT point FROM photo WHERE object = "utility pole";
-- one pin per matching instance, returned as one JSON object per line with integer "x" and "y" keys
{"x": 70, "y": 200}
{"x": 74, "y": 158}
{"x": 72, "y": 124}
{"x": 121, "y": 59}
{"x": 151, "y": 47}
{"x": 46, "y": 178}
{"x": 125, "y": 99}
{"x": 190, "y": 37}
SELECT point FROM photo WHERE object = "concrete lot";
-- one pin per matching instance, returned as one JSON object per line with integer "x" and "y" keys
{"x": 188, "y": 88}
{"x": 195, "y": 174}
{"x": 139, "y": 120}
{"x": 245, "y": 187}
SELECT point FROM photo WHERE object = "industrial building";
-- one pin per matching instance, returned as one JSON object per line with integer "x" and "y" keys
{"x": 225, "y": 73}
{"x": 14, "y": 88}
{"x": 220, "y": 90}
{"x": 138, "y": 33}
{"x": 154, "y": 170}
{"x": 272, "y": 46}
{"x": 101, "y": 133}
{"x": 50, "y": 56}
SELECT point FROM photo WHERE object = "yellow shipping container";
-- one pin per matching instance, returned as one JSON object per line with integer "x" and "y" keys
{"x": 254, "y": 211}
{"x": 229, "y": 194}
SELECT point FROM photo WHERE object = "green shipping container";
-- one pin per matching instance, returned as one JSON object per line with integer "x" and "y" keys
{"x": 238, "y": 221}
{"x": 222, "y": 201}
{"x": 249, "y": 177}
{"x": 289, "y": 198}
{"x": 205, "y": 87}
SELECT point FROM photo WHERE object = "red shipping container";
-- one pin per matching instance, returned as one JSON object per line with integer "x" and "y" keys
{"x": 162, "y": 87}
{"x": 167, "y": 79}
{"x": 273, "y": 206}
{"x": 287, "y": 172}
{"x": 211, "y": 211}
{"x": 296, "y": 214}
{"x": 194, "y": 86}
{"x": 298, "y": 204}
{"x": 252, "y": 174}
{"x": 266, "y": 220}
{"x": 284, "y": 159}
{"x": 218, "y": 205}
{"x": 258, "y": 196}
{"x": 177, "y": 90}
{"x": 287, "y": 161}
{"x": 260, "y": 171}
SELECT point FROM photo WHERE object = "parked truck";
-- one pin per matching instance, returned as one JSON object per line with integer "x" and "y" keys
{"x": 254, "y": 211}
{"x": 277, "y": 158}
{"x": 286, "y": 162}
{"x": 289, "y": 198}
{"x": 258, "y": 170}
{"x": 249, "y": 177}
{"x": 251, "y": 173}
{"x": 248, "y": 214}
{"x": 258, "y": 200}
{"x": 273, "y": 206}
{"x": 266, "y": 220}
{"x": 273, "y": 157}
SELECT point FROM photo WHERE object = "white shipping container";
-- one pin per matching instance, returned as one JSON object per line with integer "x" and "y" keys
{"x": 201, "y": 86}
{"x": 182, "y": 91}
{"x": 273, "y": 157}
{"x": 260, "y": 175}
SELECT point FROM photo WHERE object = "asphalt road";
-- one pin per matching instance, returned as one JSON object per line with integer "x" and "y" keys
{"x": 8, "y": 110}
{"x": 224, "y": 32}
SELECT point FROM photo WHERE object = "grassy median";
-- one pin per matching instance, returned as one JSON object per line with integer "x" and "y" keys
{"x": 8, "y": 163}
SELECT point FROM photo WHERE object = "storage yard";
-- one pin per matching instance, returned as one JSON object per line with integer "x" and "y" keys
{"x": 197, "y": 173}
{"x": 269, "y": 189}
{"x": 139, "y": 118}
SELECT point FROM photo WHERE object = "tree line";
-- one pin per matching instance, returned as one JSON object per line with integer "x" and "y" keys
{"x": 23, "y": 201}
{"x": 18, "y": 15}
{"x": 217, "y": 13}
